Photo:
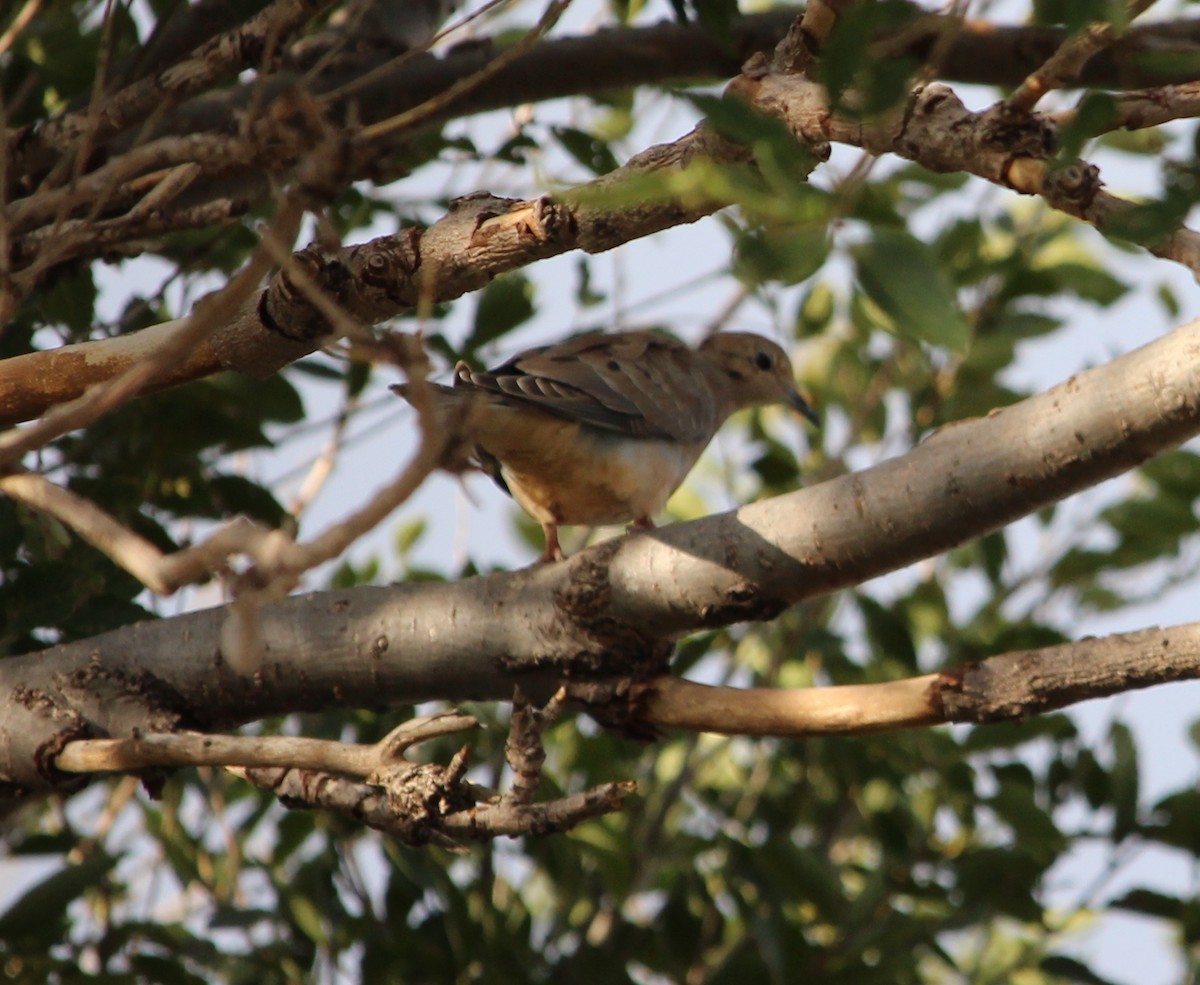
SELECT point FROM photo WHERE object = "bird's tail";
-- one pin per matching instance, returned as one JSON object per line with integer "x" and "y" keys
{"x": 438, "y": 394}
{"x": 453, "y": 410}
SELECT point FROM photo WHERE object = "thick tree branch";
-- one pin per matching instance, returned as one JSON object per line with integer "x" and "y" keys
{"x": 480, "y": 237}
{"x": 360, "y": 90}
{"x": 938, "y": 132}
{"x": 613, "y": 610}
{"x": 483, "y": 236}
{"x": 620, "y": 58}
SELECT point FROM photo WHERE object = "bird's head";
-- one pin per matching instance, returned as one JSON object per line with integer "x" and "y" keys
{"x": 754, "y": 372}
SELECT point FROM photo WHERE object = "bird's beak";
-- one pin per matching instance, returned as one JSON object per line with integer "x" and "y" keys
{"x": 799, "y": 404}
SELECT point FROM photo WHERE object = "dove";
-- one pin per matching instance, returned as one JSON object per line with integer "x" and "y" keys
{"x": 604, "y": 427}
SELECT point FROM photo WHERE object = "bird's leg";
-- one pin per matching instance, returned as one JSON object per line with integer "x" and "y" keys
{"x": 553, "y": 551}
{"x": 642, "y": 523}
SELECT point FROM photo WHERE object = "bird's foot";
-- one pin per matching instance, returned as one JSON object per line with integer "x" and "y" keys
{"x": 553, "y": 551}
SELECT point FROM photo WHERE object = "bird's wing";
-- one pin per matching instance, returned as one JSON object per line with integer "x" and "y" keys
{"x": 636, "y": 383}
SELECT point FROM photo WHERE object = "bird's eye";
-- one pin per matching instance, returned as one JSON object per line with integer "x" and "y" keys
{"x": 764, "y": 361}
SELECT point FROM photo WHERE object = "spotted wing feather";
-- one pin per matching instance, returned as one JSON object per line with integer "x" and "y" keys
{"x": 638, "y": 383}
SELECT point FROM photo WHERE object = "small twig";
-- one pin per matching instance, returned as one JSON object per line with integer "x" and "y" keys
{"x": 128, "y": 549}
{"x": 431, "y": 107}
{"x": 524, "y": 750}
{"x": 1065, "y": 65}
{"x": 425, "y": 807}
{"x": 365, "y": 79}
{"x": 19, "y": 23}
{"x": 322, "y": 468}
{"x": 213, "y": 62}
{"x": 487, "y": 821}
{"x": 1142, "y": 109}
{"x": 291, "y": 752}
{"x": 213, "y": 310}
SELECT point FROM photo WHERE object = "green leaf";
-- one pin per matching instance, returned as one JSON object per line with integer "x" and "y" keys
{"x": 235, "y": 494}
{"x": 584, "y": 294}
{"x": 407, "y": 534}
{"x": 40, "y": 910}
{"x": 1151, "y": 903}
{"x": 717, "y": 17}
{"x": 1124, "y": 775}
{"x": 786, "y": 255}
{"x": 1169, "y": 300}
{"x": 848, "y": 60}
{"x": 1176, "y": 821}
{"x": 1149, "y": 528}
{"x": 1097, "y": 111}
{"x": 1001, "y": 880}
{"x": 889, "y": 632}
{"x": 1149, "y": 222}
{"x": 1176, "y": 472}
{"x": 1074, "y": 14}
{"x": 1071, "y": 969}
{"x": 503, "y": 305}
{"x": 1089, "y": 283}
{"x": 737, "y": 121}
{"x": 589, "y": 150}
{"x": 900, "y": 274}
{"x": 1009, "y": 735}
{"x": 70, "y": 301}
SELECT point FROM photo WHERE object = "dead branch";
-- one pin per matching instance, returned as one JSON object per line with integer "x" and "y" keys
{"x": 431, "y": 804}
{"x": 182, "y": 749}
{"x": 1007, "y": 687}
{"x": 671, "y": 702}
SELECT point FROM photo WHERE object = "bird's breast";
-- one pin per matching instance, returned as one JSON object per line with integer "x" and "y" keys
{"x": 563, "y": 471}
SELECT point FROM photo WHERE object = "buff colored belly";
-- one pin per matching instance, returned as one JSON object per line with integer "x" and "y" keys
{"x": 565, "y": 472}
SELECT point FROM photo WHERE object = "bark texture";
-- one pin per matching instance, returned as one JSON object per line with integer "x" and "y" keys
{"x": 614, "y": 610}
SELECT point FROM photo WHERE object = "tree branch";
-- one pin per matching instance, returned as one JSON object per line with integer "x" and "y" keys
{"x": 216, "y": 60}
{"x": 293, "y": 752}
{"x": 1009, "y": 687}
{"x": 1066, "y": 65}
{"x": 613, "y": 610}
{"x": 938, "y": 132}
{"x": 483, "y": 236}
{"x": 480, "y": 237}
{"x": 668, "y": 53}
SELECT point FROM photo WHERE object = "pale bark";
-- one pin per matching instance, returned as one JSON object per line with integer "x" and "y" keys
{"x": 1007, "y": 687}
{"x": 614, "y": 610}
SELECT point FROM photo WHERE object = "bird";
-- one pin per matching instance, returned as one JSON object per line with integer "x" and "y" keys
{"x": 602, "y": 428}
